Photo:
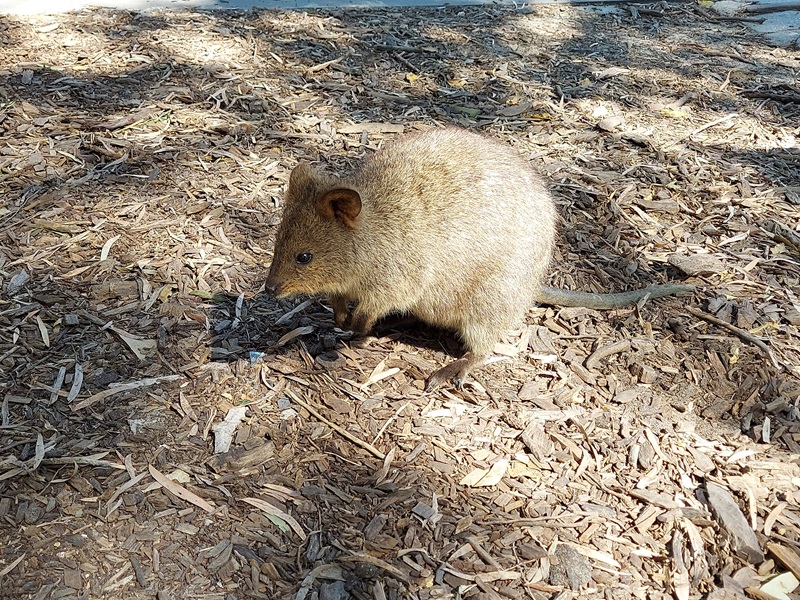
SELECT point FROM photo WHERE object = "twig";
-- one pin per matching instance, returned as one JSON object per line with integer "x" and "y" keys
{"x": 713, "y": 123}
{"x": 717, "y": 18}
{"x": 740, "y": 19}
{"x": 605, "y": 351}
{"x": 340, "y": 430}
{"x": 732, "y": 55}
{"x": 395, "y": 48}
{"x": 123, "y": 387}
{"x": 708, "y": 125}
{"x": 407, "y": 63}
{"x": 324, "y": 65}
{"x": 770, "y": 96}
{"x": 363, "y": 557}
{"x": 389, "y": 421}
{"x": 388, "y": 97}
{"x": 746, "y": 336}
{"x": 481, "y": 551}
{"x": 771, "y": 8}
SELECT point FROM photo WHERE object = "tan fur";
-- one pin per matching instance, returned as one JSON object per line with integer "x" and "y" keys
{"x": 453, "y": 228}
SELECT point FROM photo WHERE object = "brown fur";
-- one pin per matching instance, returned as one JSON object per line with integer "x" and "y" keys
{"x": 447, "y": 225}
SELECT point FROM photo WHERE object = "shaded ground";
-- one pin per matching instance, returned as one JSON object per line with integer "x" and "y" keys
{"x": 778, "y": 21}
{"x": 142, "y": 162}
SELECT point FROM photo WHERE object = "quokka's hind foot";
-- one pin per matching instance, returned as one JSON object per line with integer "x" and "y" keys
{"x": 456, "y": 371}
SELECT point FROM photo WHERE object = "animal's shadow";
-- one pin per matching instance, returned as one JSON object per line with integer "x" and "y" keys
{"x": 264, "y": 326}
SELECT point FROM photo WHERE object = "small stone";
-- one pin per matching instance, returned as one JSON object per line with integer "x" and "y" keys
{"x": 747, "y": 577}
{"x": 33, "y": 513}
{"x": 733, "y": 586}
{"x": 72, "y": 579}
{"x": 723, "y": 594}
{"x": 697, "y": 264}
{"x": 569, "y": 568}
{"x": 766, "y": 567}
{"x": 71, "y": 320}
{"x": 366, "y": 570}
{"x": 610, "y": 123}
{"x": 728, "y": 8}
{"x": 730, "y": 517}
{"x": 17, "y": 282}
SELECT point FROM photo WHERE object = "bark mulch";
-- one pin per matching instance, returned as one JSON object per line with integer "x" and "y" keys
{"x": 168, "y": 430}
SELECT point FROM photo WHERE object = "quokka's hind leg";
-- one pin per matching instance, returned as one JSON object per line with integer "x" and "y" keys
{"x": 364, "y": 317}
{"x": 479, "y": 340}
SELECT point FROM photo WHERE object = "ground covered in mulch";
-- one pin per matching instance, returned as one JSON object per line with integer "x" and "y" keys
{"x": 169, "y": 430}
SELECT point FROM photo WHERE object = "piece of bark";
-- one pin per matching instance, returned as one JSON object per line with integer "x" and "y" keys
{"x": 644, "y": 373}
{"x": 733, "y": 521}
{"x": 786, "y": 556}
{"x": 697, "y": 264}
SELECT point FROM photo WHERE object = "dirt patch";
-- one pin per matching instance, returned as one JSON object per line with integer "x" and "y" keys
{"x": 142, "y": 167}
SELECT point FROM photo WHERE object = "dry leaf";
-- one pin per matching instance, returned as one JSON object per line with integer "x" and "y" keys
{"x": 472, "y": 478}
{"x": 271, "y": 509}
{"x": 39, "y": 452}
{"x": 116, "y": 388}
{"x": 10, "y": 567}
{"x": 293, "y": 334}
{"x": 77, "y": 382}
{"x": 17, "y": 282}
{"x": 487, "y": 477}
{"x": 378, "y": 373}
{"x": 180, "y": 491}
{"x": 514, "y": 110}
{"x": 43, "y": 331}
{"x": 107, "y": 247}
{"x": 140, "y": 347}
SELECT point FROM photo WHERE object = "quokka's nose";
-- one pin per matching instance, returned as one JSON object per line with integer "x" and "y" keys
{"x": 272, "y": 286}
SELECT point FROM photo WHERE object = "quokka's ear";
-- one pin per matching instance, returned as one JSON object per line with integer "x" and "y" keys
{"x": 303, "y": 176}
{"x": 341, "y": 205}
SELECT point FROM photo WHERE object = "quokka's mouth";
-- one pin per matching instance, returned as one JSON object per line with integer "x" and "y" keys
{"x": 282, "y": 291}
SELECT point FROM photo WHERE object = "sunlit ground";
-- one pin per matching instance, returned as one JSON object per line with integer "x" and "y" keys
{"x": 30, "y": 7}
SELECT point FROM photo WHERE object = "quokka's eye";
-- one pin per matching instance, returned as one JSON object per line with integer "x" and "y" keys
{"x": 304, "y": 258}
